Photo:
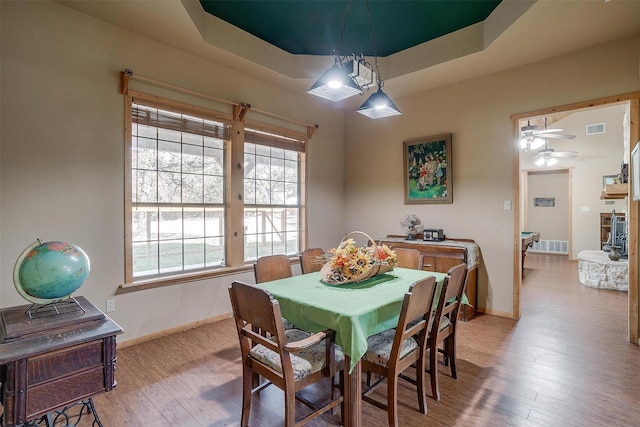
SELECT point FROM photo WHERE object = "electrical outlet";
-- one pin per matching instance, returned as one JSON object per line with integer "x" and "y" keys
{"x": 111, "y": 305}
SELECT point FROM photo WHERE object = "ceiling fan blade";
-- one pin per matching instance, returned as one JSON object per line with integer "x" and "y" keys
{"x": 558, "y": 136}
{"x": 547, "y": 131}
{"x": 563, "y": 154}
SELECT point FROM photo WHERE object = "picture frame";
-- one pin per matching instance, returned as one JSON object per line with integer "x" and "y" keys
{"x": 428, "y": 170}
{"x": 544, "y": 202}
{"x": 610, "y": 180}
{"x": 635, "y": 173}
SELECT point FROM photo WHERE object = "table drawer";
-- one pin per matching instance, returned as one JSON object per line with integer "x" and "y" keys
{"x": 429, "y": 263}
{"x": 64, "y": 391}
{"x": 64, "y": 362}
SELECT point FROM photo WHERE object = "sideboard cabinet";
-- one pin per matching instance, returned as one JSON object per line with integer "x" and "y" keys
{"x": 441, "y": 256}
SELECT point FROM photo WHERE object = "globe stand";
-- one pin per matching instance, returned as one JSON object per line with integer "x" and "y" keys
{"x": 56, "y": 308}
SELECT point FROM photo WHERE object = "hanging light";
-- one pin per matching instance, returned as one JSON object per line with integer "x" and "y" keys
{"x": 335, "y": 84}
{"x": 379, "y": 104}
{"x": 546, "y": 161}
{"x": 530, "y": 142}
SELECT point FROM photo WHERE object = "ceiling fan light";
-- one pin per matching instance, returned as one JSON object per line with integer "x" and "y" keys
{"x": 335, "y": 84}
{"x": 379, "y": 105}
{"x": 540, "y": 161}
{"x": 551, "y": 161}
{"x": 537, "y": 143}
{"x": 524, "y": 144}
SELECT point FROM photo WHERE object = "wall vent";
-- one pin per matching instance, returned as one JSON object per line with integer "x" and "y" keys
{"x": 595, "y": 128}
{"x": 551, "y": 246}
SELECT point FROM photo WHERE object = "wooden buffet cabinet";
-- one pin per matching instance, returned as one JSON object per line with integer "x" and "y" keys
{"x": 441, "y": 256}
{"x": 53, "y": 361}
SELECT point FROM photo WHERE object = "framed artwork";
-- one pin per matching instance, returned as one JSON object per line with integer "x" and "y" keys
{"x": 635, "y": 173}
{"x": 610, "y": 180}
{"x": 427, "y": 170}
{"x": 544, "y": 202}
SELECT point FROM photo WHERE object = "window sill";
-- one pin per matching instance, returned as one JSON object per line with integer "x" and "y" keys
{"x": 178, "y": 280}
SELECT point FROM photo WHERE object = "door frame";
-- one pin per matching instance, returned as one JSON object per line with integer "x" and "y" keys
{"x": 632, "y": 239}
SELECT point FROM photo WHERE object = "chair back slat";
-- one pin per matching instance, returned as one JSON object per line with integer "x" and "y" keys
{"x": 417, "y": 303}
{"x": 255, "y": 308}
{"x": 309, "y": 260}
{"x": 272, "y": 267}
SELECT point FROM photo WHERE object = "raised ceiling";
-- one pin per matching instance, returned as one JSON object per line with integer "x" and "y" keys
{"x": 313, "y": 27}
{"x": 516, "y": 33}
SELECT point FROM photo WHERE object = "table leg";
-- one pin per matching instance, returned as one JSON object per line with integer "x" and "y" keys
{"x": 352, "y": 394}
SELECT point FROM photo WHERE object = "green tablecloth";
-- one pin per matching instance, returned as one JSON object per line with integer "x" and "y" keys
{"x": 355, "y": 311}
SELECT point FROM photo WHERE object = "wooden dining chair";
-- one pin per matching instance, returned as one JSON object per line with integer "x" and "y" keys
{"x": 309, "y": 261}
{"x": 409, "y": 258}
{"x": 272, "y": 267}
{"x": 393, "y": 351}
{"x": 289, "y": 359}
{"x": 443, "y": 327}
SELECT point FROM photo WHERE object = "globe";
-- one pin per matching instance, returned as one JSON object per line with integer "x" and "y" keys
{"x": 51, "y": 271}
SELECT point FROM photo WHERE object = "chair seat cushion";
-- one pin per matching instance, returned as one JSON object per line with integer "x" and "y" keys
{"x": 304, "y": 363}
{"x": 287, "y": 324}
{"x": 379, "y": 347}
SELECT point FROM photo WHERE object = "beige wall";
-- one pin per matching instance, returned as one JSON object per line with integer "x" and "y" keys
{"x": 61, "y": 175}
{"x": 552, "y": 222}
{"x": 62, "y": 145}
{"x": 477, "y": 112}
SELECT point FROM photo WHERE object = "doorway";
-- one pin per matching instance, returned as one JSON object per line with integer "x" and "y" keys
{"x": 578, "y": 206}
{"x": 546, "y": 209}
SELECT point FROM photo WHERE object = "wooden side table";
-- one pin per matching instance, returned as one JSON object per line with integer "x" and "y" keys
{"x": 53, "y": 361}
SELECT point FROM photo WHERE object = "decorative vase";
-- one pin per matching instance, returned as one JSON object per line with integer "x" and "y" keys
{"x": 614, "y": 254}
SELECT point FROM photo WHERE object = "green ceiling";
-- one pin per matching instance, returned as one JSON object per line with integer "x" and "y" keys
{"x": 312, "y": 27}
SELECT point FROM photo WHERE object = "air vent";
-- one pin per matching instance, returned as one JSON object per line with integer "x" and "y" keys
{"x": 595, "y": 129}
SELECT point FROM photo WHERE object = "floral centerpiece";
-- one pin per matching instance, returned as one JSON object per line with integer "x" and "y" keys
{"x": 348, "y": 263}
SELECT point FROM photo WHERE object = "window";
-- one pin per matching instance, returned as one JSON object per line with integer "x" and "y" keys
{"x": 177, "y": 192}
{"x": 271, "y": 201}
{"x": 178, "y": 206}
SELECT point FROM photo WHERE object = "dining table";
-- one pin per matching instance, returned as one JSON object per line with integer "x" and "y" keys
{"x": 355, "y": 311}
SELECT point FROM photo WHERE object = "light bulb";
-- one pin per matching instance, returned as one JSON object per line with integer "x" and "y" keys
{"x": 334, "y": 84}
{"x": 537, "y": 143}
{"x": 552, "y": 161}
{"x": 540, "y": 161}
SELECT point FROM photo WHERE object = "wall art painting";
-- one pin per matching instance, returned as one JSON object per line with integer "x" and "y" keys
{"x": 427, "y": 170}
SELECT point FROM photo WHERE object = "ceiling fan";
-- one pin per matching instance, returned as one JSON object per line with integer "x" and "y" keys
{"x": 532, "y": 137}
{"x": 549, "y": 157}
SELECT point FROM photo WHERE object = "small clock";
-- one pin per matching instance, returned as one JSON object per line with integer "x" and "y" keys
{"x": 433, "y": 235}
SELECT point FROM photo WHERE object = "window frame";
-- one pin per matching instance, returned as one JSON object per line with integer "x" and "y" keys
{"x": 234, "y": 185}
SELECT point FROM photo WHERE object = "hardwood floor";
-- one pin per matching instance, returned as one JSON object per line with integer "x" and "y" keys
{"x": 565, "y": 363}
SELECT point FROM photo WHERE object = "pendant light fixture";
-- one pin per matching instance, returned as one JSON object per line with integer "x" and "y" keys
{"x": 336, "y": 83}
{"x": 379, "y": 104}
{"x": 352, "y": 75}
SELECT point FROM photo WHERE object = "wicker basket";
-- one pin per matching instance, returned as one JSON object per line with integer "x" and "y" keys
{"x": 340, "y": 275}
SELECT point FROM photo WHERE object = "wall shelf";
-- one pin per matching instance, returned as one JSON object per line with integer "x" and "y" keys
{"x": 615, "y": 191}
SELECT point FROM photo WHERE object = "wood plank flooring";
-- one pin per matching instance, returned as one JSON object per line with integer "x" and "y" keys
{"x": 565, "y": 363}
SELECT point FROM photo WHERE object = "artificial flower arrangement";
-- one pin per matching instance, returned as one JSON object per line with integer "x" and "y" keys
{"x": 348, "y": 263}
